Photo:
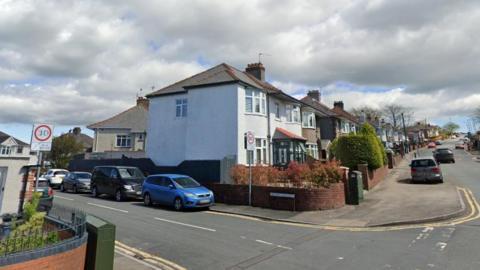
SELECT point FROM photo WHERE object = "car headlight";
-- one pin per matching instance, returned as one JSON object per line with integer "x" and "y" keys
{"x": 128, "y": 187}
{"x": 190, "y": 195}
{"x": 211, "y": 193}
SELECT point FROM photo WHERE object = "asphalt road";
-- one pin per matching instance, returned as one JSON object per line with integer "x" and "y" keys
{"x": 206, "y": 240}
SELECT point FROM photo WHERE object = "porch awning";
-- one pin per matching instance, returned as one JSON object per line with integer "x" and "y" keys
{"x": 281, "y": 133}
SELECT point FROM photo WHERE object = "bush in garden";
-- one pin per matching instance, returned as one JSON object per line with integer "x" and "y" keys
{"x": 333, "y": 148}
{"x": 325, "y": 174}
{"x": 239, "y": 174}
{"x": 297, "y": 173}
{"x": 355, "y": 149}
{"x": 369, "y": 131}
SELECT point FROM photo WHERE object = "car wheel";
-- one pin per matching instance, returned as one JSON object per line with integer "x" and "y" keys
{"x": 94, "y": 192}
{"x": 118, "y": 196}
{"x": 147, "y": 200}
{"x": 75, "y": 190}
{"x": 62, "y": 188}
{"x": 177, "y": 204}
{"x": 453, "y": 161}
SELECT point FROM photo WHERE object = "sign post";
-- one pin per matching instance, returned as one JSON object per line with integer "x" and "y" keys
{"x": 41, "y": 141}
{"x": 250, "y": 149}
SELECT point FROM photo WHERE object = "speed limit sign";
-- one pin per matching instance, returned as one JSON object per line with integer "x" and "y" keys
{"x": 41, "y": 137}
{"x": 250, "y": 141}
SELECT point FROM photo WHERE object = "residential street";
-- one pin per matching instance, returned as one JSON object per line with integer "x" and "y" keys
{"x": 208, "y": 240}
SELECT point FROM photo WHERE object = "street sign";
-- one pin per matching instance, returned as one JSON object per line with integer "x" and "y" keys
{"x": 41, "y": 137}
{"x": 250, "y": 141}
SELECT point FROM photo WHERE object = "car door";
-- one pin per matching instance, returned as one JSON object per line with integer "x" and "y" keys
{"x": 169, "y": 192}
{"x": 155, "y": 184}
{"x": 104, "y": 174}
{"x": 113, "y": 181}
{"x": 67, "y": 181}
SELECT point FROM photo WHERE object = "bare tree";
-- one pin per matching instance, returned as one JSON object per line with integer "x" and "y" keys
{"x": 393, "y": 113}
{"x": 366, "y": 111}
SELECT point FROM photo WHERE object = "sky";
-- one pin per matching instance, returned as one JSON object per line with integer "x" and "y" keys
{"x": 73, "y": 63}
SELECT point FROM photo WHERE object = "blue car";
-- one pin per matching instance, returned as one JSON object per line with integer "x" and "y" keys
{"x": 179, "y": 191}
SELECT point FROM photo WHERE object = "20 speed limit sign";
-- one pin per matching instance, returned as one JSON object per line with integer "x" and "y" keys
{"x": 250, "y": 141}
{"x": 42, "y": 137}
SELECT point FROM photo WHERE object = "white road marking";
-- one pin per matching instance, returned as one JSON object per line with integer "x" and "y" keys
{"x": 263, "y": 242}
{"x": 431, "y": 265}
{"x": 340, "y": 258}
{"x": 64, "y": 198}
{"x": 108, "y": 207}
{"x": 243, "y": 237}
{"x": 185, "y": 224}
{"x": 427, "y": 229}
{"x": 441, "y": 245}
{"x": 284, "y": 247}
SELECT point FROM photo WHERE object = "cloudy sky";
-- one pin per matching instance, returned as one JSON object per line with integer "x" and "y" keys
{"x": 77, "y": 62}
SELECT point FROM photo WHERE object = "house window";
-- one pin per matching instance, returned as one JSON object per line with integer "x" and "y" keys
{"x": 277, "y": 110}
{"x": 308, "y": 120}
{"x": 123, "y": 141}
{"x": 261, "y": 151}
{"x": 19, "y": 149}
{"x": 181, "y": 107}
{"x": 5, "y": 150}
{"x": 255, "y": 101}
{"x": 293, "y": 113}
{"x": 312, "y": 150}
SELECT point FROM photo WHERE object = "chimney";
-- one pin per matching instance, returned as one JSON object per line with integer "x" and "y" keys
{"x": 141, "y": 101}
{"x": 257, "y": 70}
{"x": 314, "y": 94}
{"x": 77, "y": 130}
{"x": 338, "y": 104}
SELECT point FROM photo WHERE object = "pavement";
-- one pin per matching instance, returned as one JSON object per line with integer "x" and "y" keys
{"x": 393, "y": 201}
{"x": 212, "y": 240}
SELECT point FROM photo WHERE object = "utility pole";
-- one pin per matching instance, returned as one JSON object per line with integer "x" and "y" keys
{"x": 404, "y": 133}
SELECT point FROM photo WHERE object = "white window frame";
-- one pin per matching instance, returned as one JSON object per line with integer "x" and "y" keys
{"x": 255, "y": 102}
{"x": 308, "y": 120}
{"x": 293, "y": 114}
{"x": 181, "y": 107}
{"x": 5, "y": 150}
{"x": 312, "y": 150}
{"x": 125, "y": 141}
{"x": 261, "y": 147}
{"x": 277, "y": 110}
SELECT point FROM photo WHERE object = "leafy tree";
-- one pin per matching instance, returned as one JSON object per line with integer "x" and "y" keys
{"x": 63, "y": 149}
{"x": 450, "y": 128}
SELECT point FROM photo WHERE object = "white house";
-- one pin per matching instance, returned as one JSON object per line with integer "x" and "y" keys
{"x": 206, "y": 116}
{"x": 14, "y": 155}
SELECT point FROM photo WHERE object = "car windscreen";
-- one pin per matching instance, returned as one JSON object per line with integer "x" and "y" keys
{"x": 444, "y": 151}
{"x": 186, "y": 182}
{"x": 130, "y": 173}
{"x": 83, "y": 175}
{"x": 60, "y": 173}
{"x": 423, "y": 163}
{"x": 42, "y": 184}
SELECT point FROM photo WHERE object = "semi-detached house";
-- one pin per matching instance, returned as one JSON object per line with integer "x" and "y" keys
{"x": 206, "y": 116}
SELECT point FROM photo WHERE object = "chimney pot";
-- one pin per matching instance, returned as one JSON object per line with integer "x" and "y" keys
{"x": 314, "y": 94}
{"x": 257, "y": 70}
{"x": 338, "y": 104}
{"x": 77, "y": 130}
{"x": 141, "y": 101}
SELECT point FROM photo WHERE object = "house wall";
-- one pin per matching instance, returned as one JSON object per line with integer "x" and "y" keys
{"x": 208, "y": 132}
{"x": 106, "y": 140}
{"x": 13, "y": 184}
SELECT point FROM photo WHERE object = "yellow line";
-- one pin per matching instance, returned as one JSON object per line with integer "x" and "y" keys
{"x": 149, "y": 256}
{"x": 474, "y": 207}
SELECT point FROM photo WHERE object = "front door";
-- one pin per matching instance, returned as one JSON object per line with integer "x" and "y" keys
{"x": 3, "y": 178}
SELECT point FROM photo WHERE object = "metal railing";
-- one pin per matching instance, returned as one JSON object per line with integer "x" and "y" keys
{"x": 59, "y": 225}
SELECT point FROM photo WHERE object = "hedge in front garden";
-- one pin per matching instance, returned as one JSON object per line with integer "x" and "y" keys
{"x": 368, "y": 130}
{"x": 352, "y": 150}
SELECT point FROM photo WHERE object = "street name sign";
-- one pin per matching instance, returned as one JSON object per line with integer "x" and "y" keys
{"x": 42, "y": 135}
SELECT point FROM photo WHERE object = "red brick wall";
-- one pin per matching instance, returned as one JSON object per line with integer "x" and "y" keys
{"x": 72, "y": 260}
{"x": 372, "y": 177}
{"x": 305, "y": 199}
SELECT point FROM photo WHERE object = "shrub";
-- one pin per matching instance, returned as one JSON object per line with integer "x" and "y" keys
{"x": 239, "y": 174}
{"x": 30, "y": 208}
{"x": 297, "y": 173}
{"x": 355, "y": 149}
{"x": 333, "y": 148}
{"x": 325, "y": 174}
{"x": 369, "y": 131}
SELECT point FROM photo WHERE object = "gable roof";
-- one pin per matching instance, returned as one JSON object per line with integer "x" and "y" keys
{"x": 320, "y": 107}
{"x": 219, "y": 74}
{"x": 345, "y": 115}
{"x": 134, "y": 119}
{"x": 5, "y": 136}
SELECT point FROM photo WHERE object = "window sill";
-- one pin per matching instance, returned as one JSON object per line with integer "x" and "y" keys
{"x": 296, "y": 123}
{"x": 256, "y": 114}
{"x": 309, "y": 127}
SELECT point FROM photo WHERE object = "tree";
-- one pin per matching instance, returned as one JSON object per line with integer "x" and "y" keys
{"x": 366, "y": 111}
{"x": 393, "y": 113}
{"x": 450, "y": 128}
{"x": 63, "y": 149}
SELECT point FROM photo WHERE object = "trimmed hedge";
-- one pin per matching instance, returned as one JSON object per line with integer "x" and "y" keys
{"x": 380, "y": 154}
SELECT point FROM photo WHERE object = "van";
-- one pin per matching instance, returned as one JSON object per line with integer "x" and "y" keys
{"x": 121, "y": 182}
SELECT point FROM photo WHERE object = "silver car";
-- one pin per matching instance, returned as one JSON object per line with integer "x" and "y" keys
{"x": 425, "y": 169}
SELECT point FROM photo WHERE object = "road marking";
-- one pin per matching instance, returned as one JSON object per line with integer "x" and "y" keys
{"x": 441, "y": 245}
{"x": 124, "y": 254}
{"x": 263, "y": 242}
{"x": 64, "y": 198}
{"x": 185, "y": 224}
{"x": 243, "y": 237}
{"x": 108, "y": 207}
{"x": 149, "y": 257}
{"x": 340, "y": 258}
{"x": 427, "y": 229}
{"x": 284, "y": 247}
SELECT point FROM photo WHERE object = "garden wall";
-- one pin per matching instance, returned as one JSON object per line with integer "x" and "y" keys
{"x": 372, "y": 177}
{"x": 305, "y": 199}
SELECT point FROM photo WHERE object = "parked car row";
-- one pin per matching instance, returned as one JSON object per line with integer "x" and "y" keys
{"x": 122, "y": 182}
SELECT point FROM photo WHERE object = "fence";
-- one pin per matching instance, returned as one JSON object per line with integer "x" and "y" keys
{"x": 60, "y": 224}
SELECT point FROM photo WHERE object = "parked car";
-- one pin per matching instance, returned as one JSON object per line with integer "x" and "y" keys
{"x": 179, "y": 191}
{"x": 76, "y": 182}
{"x": 118, "y": 181}
{"x": 444, "y": 155}
{"x": 460, "y": 145}
{"x": 425, "y": 169}
{"x": 55, "y": 177}
{"x": 438, "y": 143}
{"x": 46, "y": 199}
{"x": 431, "y": 145}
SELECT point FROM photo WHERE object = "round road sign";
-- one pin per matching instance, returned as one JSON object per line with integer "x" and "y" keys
{"x": 250, "y": 138}
{"x": 42, "y": 133}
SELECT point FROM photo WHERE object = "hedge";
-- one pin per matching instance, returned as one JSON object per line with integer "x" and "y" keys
{"x": 352, "y": 150}
{"x": 380, "y": 154}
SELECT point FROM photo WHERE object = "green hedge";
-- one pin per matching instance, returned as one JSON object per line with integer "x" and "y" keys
{"x": 379, "y": 151}
{"x": 352, "y": 150}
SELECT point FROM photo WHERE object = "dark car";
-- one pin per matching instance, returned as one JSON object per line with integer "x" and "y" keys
{"x": 76, "y": 182}
{"x": 46, "y": 198}
{"x": 438, "y": 143}
{"x": 118, "y": 181}
{"x": 444, "y": 155}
